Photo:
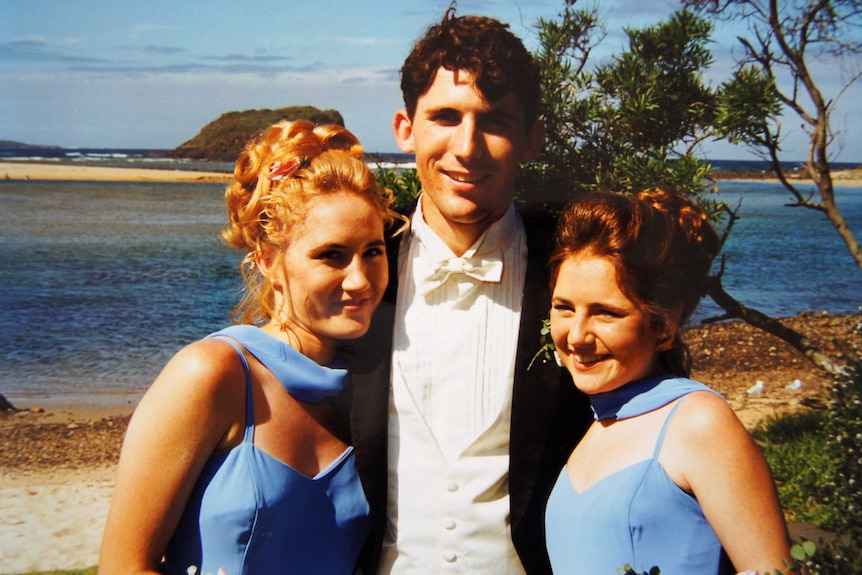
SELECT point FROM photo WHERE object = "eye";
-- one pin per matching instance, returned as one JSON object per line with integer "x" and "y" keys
{"x": 560, "y": 308}
{"x": 610, "y": 313}
{"x": 330, "y": 256}
{"x": 374, "y": 252}
{"x": 496, "y": 123}
{"x": 446, "y": 117}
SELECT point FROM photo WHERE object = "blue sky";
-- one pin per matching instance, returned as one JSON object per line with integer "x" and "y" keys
{"x": 110, "y": 74}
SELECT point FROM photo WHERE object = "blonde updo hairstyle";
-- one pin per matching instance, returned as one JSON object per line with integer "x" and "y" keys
{"x": 662, "y": 248}
{"x": 276, "y": 177}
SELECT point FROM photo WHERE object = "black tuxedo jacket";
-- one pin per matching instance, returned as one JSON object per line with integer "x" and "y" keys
{"x": 549, "y": 415}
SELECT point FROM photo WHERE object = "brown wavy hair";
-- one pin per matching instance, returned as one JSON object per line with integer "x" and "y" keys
{"x": 482, "y": 46}
{"x": 662, "y": 248}
{"x": 263, "y": 212}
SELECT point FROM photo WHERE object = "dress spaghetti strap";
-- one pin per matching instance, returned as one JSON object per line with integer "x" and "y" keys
{"x": 248, "y": 437}
{"x": 660, "y": 439}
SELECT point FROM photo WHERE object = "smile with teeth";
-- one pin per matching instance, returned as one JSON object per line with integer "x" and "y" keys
{"x": 465, "y": 178}
{"x": 588, "y": 359}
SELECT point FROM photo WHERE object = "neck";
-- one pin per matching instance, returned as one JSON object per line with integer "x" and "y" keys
{"x": 458, "y": 236}
{"x": 319, "y": 350}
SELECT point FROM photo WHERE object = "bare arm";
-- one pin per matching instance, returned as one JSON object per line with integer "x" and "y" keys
{"x": 195, "y": 406}
{"x": 709, "y": 453}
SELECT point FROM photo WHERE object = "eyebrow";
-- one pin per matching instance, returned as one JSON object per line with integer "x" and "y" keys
{"x": 336, "y": 245}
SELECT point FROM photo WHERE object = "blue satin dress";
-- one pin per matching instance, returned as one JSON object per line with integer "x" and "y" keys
{"x": 250, "y": 513}
{"x": 637, "y": 516}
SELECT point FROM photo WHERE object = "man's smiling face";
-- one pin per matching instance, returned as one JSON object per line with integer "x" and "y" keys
{"x": 468, "y": 152}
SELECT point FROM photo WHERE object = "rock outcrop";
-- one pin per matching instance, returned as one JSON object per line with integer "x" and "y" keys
{"x": 222, "y": 140}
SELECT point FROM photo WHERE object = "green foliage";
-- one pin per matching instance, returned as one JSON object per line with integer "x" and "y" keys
{"x": 224, "y": 138}
{"x": 403, "y": 183}
{"x": 630, "y": 124}
{"x": 794, "y": 449}
{"x": 816, "y": 459}
{"x": 840, "y": 486}
{"x": 656, "y": 85}
{"x": 546, "y": 344}
{"x": 746, "y": 105}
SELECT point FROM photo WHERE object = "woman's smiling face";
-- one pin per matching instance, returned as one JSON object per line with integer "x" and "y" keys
{"x": 334, "y": 271}
{"x": 602, "y": 337}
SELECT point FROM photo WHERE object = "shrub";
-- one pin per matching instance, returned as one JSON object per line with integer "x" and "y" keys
{"x": 816, "y": 459}
{"x": 840, "y": 486}
{"x": 404, "y": 184}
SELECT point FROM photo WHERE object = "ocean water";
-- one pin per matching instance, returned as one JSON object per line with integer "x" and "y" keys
{"x": 782, "y": 260}
{"x": 101, "y": 283}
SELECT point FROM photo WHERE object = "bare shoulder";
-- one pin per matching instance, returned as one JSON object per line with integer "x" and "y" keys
{"x": 704, "y": 415}
{"x": 704, "y": 439}
{"x": 206, "y": 373}
{"x": 206, "y": 359}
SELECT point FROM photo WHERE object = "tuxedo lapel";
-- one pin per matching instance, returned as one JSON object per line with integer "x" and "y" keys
{"x": 534, "y": 395}
{"x": 549, "y": 415}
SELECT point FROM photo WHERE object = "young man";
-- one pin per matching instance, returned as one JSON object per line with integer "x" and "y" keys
{"x": 475, "y": 441}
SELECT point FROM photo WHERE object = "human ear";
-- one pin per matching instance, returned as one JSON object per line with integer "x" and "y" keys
{"x": 263, "y": 263}
{"x": 668, "y": 330}
{"x": 535, "y": 141}
{"x": 267, "y": 266}
{"x": 403, "y": 128}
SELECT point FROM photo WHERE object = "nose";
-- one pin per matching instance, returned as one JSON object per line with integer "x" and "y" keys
{"x": 580, "y": 332}
{"x": 468, "y": 142}
{"x": 356, "y": 276}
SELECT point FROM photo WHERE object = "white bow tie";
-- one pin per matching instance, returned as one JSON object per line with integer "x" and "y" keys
{"x": 486, "y": 268}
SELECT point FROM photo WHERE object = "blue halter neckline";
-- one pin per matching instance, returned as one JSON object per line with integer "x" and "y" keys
{"x": 301, "y": 376}
{"x": 642, "y": 396}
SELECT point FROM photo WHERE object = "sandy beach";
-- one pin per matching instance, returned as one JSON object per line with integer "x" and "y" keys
{"x": 42, "y": 171}
{"x": 57, "y": 478}
{"x": 57, "y": 465}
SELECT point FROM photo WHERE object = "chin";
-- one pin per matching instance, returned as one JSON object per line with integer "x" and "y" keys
{"x": 352, "y": 330}
{"x": 590, "y": 384}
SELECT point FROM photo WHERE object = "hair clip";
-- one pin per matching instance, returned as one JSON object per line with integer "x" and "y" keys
{"x": 279, "y": 171}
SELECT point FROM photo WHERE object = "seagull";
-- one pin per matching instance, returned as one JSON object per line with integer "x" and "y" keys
{"x": 756, "y": 388}
{"x": 797, "y": 384}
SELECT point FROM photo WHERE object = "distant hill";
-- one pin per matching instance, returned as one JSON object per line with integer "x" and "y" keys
{"x": 10, "y": 145}
{"x": 223, "y": 139}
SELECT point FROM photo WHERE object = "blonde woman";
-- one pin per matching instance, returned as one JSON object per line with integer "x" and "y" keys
{"x": 237, "y": 457}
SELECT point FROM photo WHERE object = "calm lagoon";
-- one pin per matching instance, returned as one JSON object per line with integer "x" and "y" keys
{"x": 101, "y": 283}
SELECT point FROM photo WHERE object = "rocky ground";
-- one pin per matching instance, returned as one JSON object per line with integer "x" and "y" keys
{"x": 730, "y": 357}
{"x": 734, "y": 357}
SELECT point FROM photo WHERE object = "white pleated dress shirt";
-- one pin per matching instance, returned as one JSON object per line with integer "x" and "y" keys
{"x": 449, "y": 416}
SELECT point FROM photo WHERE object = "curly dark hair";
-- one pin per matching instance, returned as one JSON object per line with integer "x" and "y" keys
{"x": 483, "y": 46}
{"x": 662, "y": 247}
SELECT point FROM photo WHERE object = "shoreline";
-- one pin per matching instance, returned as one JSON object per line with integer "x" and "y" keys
{"x": 67, "y": 411}
{"x": 38, "y": 171}
{"x": 35, "y": 171}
